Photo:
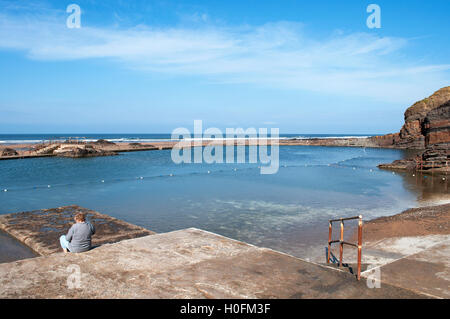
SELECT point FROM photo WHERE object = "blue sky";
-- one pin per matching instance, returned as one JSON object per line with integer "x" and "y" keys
{"x": 152, "y": 66}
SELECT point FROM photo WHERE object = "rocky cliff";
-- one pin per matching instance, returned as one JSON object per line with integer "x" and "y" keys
{"x": 427, "y": 127}
{"x": 426, "y": 123}
{"x": 437, "y": 126}
{"x": 437, "y": 136}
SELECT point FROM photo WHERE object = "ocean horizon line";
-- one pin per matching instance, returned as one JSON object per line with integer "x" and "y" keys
{"x": 151, "y": 137}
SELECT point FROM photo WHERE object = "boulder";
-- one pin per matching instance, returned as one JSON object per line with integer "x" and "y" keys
{"x": 104, "y": 142}
{"x": 78, "y": 151}
{"x": 8, "y": 152}
{"x": 44, "y": 149}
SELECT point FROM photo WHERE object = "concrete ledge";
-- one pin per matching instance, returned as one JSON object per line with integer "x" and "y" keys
{"x": 182, "y": 264}
{"x": 41, "y": 229}
{"x": 427, "y": 271}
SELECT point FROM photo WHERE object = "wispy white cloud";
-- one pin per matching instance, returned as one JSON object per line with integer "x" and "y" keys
{"x": 280, "y": 55}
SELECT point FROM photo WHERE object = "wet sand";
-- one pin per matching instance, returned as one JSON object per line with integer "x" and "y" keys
{"x": 422, "y": 221}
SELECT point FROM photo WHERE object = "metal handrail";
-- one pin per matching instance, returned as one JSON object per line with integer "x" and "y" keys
{"x": 421, "y": 164}
{"x": 342, "y": 242}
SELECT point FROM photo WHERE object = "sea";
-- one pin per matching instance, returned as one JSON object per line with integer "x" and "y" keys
{"x": 287, "y": 211}
{"x": 7, "y": 139}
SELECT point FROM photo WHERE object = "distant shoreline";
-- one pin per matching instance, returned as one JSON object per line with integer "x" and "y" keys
{"x": 26, "y": 150}
{"x": 12, "y": 143}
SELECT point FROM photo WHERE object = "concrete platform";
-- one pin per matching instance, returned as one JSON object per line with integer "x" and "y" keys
{"x": 40, "y": 230}
{"x": 417, "y": 263}
{"x": 427, "y": 271}
{"x": 188, "y": 263}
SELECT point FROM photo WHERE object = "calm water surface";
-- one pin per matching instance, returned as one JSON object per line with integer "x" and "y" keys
{"x": 287, "y": 211}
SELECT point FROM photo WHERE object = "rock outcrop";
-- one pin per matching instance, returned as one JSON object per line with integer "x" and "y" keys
{"x": 43, "y": 149}
{"x": 427, "y": 127}
{"x": 77, "y": 151}
{"x": 426, "y": 117}
{"x": 104, "y": 142}
{"x": 135, "y": 144}
{"x": 388, "y": 140}
{"x": 8, "y": 152}
{"x": 437, "y": 136}
{"x": 437, "y": 126}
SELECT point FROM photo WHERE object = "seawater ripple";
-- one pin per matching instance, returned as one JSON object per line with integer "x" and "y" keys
{"x": 142, "y": 178}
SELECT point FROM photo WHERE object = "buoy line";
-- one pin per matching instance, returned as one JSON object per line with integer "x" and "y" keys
{"x": 208, "y": 172}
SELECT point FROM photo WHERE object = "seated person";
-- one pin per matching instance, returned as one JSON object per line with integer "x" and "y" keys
{"x": 78, "y": 239}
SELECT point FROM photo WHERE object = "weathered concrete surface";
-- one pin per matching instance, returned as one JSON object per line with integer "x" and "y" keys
{"x": 417, "y": 263}
{"x": 427, "y": 271}
{"x": 40, "y": 230}
{"x": 411, "y": 249}
{"x": 183, "y": 264}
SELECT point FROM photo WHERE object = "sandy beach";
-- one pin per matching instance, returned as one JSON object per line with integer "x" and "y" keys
{"x": 422, "y": 221}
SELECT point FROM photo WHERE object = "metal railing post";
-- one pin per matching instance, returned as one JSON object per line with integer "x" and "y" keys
{"x": 330, "y": 229}
{"x": 360, "y": 223}
{"x": 341, "y": 249}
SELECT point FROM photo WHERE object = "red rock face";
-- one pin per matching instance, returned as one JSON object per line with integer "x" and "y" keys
{"x": 427, "y": 126}
{"x": 411, "y": 135}
{"x": 387, "y": 140}
{"x": 438, "y": 137}
{"x": 437, "y": 127}
{"x": 427, "y": 122}
{"x": 411, "y": 128}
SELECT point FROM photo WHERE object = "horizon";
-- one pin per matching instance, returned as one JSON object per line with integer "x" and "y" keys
{"x": 155, "y": 66}
{"x": 169, "y": 133}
